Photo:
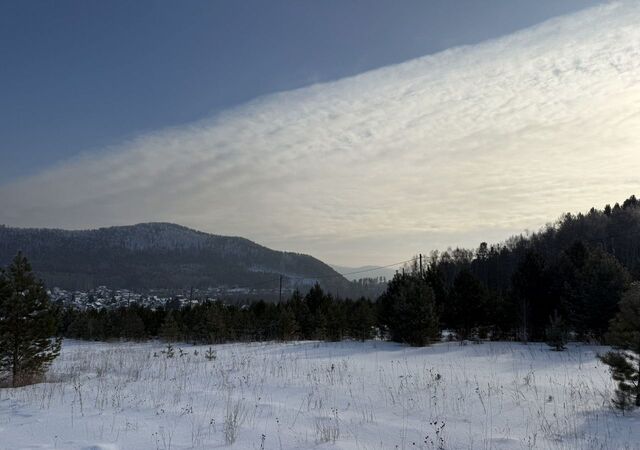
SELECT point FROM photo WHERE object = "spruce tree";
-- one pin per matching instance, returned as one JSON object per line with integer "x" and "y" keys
{"x": 361, "y": 320}
{"x": 556, "y": 333}
{"x": 132, "y": 325}
{"x": 603, "y": 282}
{"x": 287, "y": 327}
{"x": 468, "y": 301}
{"x": 408, "y": 310}
{"x": 624, "y": 361}
{"x": 530, "y": 290}
{"x": 27, "y": 325}
{"x": 169, "y": 331}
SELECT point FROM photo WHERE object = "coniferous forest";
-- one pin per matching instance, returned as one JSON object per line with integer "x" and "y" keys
{"x": 563, "y": 282}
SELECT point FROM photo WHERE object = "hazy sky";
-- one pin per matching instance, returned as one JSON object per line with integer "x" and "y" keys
{"x": 473, "y": 143}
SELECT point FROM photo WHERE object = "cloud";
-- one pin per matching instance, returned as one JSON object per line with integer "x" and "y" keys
{"x": 469, "y": 144}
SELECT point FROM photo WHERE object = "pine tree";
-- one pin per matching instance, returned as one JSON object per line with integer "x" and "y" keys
{"x": 27, "y": 325}
{"x": 361, "y": 320}
{"x": 132, "y": 325}
{"x": 287, "y": 326}
{"x": 317, "y": 303}
{"x": 624, "y": 361}
{"x": 467, "y": 307}
{"x": 529, "y": 283}
{"x": 169, "y": 331}
{"x": 408, "y": 310}
{"x": 603, "y": 282}
{"x": 336, "y": 320}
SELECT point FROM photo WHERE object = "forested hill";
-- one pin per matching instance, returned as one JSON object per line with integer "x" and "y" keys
{"x": 577, "y": 268}
{"x": 612, "y": 230}
{"x": 160, "y": 255}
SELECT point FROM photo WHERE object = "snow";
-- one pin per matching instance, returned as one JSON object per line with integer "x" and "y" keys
{"x": 348, "y": 395}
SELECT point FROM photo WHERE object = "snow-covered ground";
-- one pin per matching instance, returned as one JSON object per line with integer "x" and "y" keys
{"x": 348, "y": 395}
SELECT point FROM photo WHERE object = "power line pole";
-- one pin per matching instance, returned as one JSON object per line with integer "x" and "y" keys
{"x": 420, "y": 264}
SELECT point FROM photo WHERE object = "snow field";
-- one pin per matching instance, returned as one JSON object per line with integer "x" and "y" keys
{"x": 346, "y": 395}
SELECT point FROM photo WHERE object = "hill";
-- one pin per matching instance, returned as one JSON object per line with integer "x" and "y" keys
{"x": 577, "y": 269}
{"x": 160, "y": 255}
{"x": 613, "y": 230}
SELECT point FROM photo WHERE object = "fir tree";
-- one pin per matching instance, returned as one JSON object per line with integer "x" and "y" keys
{"x": 287, "y": 325}
{"x": 210, "y": 354}
{"x": 468, "y": 301}
{"x": 317, "y": 303}
{"x": 361, "y": 320}
{"x": 603, "y": 282}
{"x": 556, "y": 333}
{"x": 27, "y": 325}
{"x": 132, "y": 326}
{"x": 408, "y": 310}
{"x": 529, "y": 287}
{"x": 169, "y": 351}
{"x": 624, "y": 361}
{"x": 169, "y": 331}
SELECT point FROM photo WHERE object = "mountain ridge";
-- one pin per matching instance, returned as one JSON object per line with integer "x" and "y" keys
{"x": 353, "y": 273}
{"x": 159, "y": 255}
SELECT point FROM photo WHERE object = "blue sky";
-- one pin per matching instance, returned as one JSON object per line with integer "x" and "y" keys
{"x": 358, "y": 132}
{"x": 79, "y": 76}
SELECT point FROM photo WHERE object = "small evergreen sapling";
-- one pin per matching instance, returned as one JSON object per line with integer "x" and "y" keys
{"x": 210, "y": 354}
{"x": 624, "y": 361}
{"x": 556, "y": 333}
{"x": 169, "y": 351}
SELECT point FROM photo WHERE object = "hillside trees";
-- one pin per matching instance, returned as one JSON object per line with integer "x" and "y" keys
{"x": 578, "y": 267}
{"x": 27, "y": 325}
{"x": 157, "y": 255}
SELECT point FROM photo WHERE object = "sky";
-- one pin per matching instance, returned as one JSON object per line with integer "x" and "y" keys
{"x": 358, "y": 132}
{"x": 78, "y": 76}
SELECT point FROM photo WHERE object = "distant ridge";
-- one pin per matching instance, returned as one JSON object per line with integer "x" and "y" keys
{"x": 355, "y": 273}
{"x": 160, "y": 255}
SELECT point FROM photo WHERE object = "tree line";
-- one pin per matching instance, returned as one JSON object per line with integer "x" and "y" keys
{"x": 566, "y": 281}
{"x": 316, "y": 315}
{"x": 579, "y": 292}
{"x": 571, "y": 280}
